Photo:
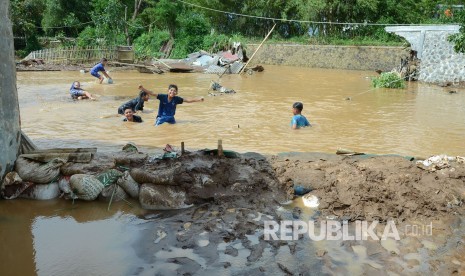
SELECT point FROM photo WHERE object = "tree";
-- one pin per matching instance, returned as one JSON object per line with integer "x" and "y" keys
{"x": 109, "y": 24}
{"x": 26, "y": 16}
{"x": 65, "y": 16}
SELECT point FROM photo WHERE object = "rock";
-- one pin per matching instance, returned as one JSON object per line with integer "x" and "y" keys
{"x": 320, "y": 253}
{"x": 231, "y": 251}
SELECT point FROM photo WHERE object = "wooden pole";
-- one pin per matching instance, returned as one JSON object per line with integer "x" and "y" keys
{"x": 169, "y": 67}
{"x": 220, "y": 148}
{"x": 182, "y": 148}
{"x": 266, "y": 37}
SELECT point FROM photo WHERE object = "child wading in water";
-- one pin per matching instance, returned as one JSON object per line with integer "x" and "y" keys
{"x": 298, "y": 120}
{"x": 100, "y": 68}
{"x": 135, "y": 104}
{"x": 77, "y": 93}
{"x": 130, "y": 117}
{"x": 168, "y": 103}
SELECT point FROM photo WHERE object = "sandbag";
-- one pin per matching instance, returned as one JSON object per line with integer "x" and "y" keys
{"x": 12, "y": 186}
{"x": 100, "y": 162}
{"x": 162, "y": 197}
{"x": 65, "y": 187}
{"x": 42, "y": 191}
{"x": 36, "y": 172}
{"x": 160, "y": 177}
{"x": 119, "y": 193}
{"x": 86, "y": 187}
{"x": 129, "y": 185}
{"x": 109, "y": 177}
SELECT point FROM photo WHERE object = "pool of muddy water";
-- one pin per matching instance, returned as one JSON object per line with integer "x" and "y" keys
{"x": 61, "y": 238}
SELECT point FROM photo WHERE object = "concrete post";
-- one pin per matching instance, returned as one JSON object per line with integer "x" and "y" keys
{"x": 10, "y": 128}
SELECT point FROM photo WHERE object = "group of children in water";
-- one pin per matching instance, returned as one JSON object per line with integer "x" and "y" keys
{"x": 168, "y": 102}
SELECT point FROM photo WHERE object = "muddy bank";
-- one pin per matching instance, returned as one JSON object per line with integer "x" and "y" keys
{"x": 363, "y": 187}
{"x": 225, "y": 202}
{"x": 39, "y": 65}
{"x": 376, "y": 188}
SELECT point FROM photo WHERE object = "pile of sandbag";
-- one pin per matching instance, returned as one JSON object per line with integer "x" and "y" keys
{"x": 158, "y": 184}
{"x": 104, "y": 177}
{"x": 50, "y": 178}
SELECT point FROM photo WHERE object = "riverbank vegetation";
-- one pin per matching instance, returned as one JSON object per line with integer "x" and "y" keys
{"x": 175, "y": 28}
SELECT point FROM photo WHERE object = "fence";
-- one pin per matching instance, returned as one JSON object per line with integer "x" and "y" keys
{"x": 74, "y": 54}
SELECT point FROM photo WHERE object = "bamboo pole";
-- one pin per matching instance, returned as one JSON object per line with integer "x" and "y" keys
{"x": 169, "y": 67}
{"x": 266, "y": 37}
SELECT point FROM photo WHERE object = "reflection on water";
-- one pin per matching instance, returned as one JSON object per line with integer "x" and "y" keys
{"x": 64, "y": 246}
{"x": 58, "y": 237}
{"x": 420, "y": 120}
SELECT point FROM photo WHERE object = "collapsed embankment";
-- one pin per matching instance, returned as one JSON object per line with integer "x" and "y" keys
{"x": 349, "y": 187}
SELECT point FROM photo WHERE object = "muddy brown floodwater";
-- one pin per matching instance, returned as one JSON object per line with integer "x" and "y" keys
{"x": 420, "y": 120}
{"x": 60, "y": 237}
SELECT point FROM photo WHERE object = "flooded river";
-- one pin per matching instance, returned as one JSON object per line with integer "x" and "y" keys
{"x": 61, "y": 238}
{"x": 420, "y": 120}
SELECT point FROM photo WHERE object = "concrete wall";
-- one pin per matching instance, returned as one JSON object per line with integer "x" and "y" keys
{"x": 324, "y": 56}
{"x": 439, "y": 62}
{"x": 10, "y": 135}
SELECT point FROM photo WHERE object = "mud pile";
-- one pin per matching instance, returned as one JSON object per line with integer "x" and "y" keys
{"x": 377, "y": 188}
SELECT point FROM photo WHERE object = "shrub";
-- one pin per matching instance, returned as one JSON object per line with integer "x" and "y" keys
{"x": 149, "y": 44}
{"x": 388, "y": 80}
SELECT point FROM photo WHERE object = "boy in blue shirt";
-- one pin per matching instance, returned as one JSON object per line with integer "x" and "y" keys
{"x": 77, "y": 93}
{"x": 298, "y": 120}
{"x": 168, "y": 103}
{"x": 100, "y": 68}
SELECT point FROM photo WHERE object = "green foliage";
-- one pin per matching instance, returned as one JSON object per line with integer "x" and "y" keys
{"x": 388, "y": 80}
{"x": 215, "y": 42}
{"x": 189, "y": 37}
{"x": 116, "y": 22}
{"x": 26, "y": 16}
{"x": 459, "y": 39}
{"x": 149, "y": 44}
{"x": 32, "y": 44}
{"x": 86, "y": 37}
{"x": 65, "y": 16}
{"x": 163, "y": 15}
{"x": 109, "y": 30}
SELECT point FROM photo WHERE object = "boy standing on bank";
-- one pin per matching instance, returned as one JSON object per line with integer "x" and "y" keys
{"x": 100, "y": 68}
{"x": 168, "y": 103}
{"x": 298, "y": 120}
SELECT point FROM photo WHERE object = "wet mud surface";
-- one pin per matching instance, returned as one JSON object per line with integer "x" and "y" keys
{"x": 226, "y": 235}
{"x": 376, "y": 188}
{"x": 225, "y": 203}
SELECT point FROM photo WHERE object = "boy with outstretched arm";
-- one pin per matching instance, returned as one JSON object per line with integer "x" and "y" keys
{"x": 168, "y": 103}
